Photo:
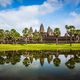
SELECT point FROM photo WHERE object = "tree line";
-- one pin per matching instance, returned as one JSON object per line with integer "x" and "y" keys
{"x": 28, "y": 33}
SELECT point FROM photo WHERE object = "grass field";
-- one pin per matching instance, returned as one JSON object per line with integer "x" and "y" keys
{"x": 39, "y": 47}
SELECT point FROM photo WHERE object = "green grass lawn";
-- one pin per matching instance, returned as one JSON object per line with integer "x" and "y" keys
{"x": 39, "y": 47}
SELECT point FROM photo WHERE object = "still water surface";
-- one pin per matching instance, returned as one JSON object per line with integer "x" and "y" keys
{"x": 40, "y": 65}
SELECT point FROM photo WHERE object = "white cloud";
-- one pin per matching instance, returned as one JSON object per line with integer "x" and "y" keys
{"x": 50, "y": 6}
{"x": 74, "y": 14}
{"x": 74, "y": 20}
{"x": 26, "y": 16}
{"x": 19, "y": 19}
{"x": 5, "y": 3}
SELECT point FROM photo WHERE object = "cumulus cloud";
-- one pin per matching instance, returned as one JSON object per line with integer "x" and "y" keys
{"x": 50, "y": 6}
{"x": 19, "y": 19}
{"x": 74, "y": 14}
{"x": 74, "y": 20}
{"x": 26, "y": 16}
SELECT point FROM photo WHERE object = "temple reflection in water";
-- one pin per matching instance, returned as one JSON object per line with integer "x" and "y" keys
{"x": 51, "y": 57}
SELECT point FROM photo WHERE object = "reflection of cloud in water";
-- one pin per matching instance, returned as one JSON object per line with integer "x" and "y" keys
{"x": 35, "y": 64}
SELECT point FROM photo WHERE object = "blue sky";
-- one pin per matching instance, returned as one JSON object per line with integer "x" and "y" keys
{"x": 19, "y": 14}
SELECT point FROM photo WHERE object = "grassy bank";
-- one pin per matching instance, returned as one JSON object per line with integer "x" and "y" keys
{"x": 39, "y": 47}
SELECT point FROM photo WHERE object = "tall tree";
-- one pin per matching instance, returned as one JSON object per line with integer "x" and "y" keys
{"x": 57, "y": 33}
{"x": 70, "y": 30}
{"x": 41, "y": 28}
{"x": 25, "y": 33}
{"x": 14, "y": 35}
{"x": 7, "y": 35}
{"x": 2, "y": 35}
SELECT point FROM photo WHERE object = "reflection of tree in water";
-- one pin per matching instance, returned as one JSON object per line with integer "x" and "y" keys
{"x": 77, "y": 58}
{"x": 49, "y": 58}
{"x": 57, "y": 53}
{"x": 2, "y": 53}
{"x": 31, "y": 59}
{"x": 26, "y": 62}
{"x": 70, "y": 63}
{"x": 78, "y": 53}
{"x": 73, "y": 60}
{"x": 2, "y": 60}
{"x": 36, "y": 55}
{"x": 13, "y": 57}
{"x": 65, "y": 54}
{"x": 57, "y": 62}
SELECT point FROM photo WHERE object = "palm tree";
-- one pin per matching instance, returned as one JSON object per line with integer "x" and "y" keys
{"x": 17, "y": 36}
{"x": 25, "y": 33}
{"x": 7, "y": 36}
{"x": 57, "y": 33}
{"x": 70, "y": 30}
{"x": 14, "y": 35}
{"x": 2, "y": 35}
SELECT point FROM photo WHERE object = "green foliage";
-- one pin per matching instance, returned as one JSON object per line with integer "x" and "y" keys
{"x": 70, "y": 29}
{"x": 1, "y": 34}
{"x": 26, "y": 62}
{"x": 77, "y": 32}
{"x": 7, "y": 34}
{"x": 57, "y": 62}
{"x": 14, "y": 34}
{"x": 57, "y": 32}
{"x": 70, "y": 63}
{"x": 37, "y": 36}
{"x": 25, "y": 32}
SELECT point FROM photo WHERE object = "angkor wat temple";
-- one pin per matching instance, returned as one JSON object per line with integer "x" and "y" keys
{"x": 41, "y": 36}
